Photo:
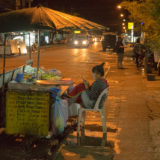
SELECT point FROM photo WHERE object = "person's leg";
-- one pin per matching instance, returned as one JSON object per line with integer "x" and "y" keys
{"x": 136, "y": 60}
{"x": 121, "y": 62}
{"x": 118, "y": 60}
{"x": 77, "y": 89}
{"x": 86, "y": 102}
{"x": 159, "y": 70}
{"x": 155, "y": 66}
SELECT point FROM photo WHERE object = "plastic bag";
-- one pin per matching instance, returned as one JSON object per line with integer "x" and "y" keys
{"x": 65, "y": 111}
{"x": 57, "y": 117}
{"x": 73, "y": 109}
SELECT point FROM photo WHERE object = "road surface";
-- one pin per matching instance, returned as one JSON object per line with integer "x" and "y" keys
{"x": 128, "y": 114}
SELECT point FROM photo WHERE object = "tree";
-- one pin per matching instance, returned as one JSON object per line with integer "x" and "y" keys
{"x": 147, "y": 12}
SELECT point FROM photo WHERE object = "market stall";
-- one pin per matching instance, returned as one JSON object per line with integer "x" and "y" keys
{"x": 29, "y": 97}
{"x": 30, "y": 103}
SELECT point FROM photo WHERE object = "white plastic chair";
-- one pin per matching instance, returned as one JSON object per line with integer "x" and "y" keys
{"x": 96, "y": 108}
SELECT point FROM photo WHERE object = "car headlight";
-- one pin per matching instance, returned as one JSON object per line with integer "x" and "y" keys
{"x": 75, "y": 42}
{"x": 84, "y": 42}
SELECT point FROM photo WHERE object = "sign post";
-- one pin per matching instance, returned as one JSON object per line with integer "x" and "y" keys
{"x": 131, "y": 27}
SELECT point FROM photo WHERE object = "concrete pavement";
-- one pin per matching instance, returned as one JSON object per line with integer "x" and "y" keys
{"x": 128, "y": 119}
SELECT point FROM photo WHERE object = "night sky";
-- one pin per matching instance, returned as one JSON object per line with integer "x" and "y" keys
{"x": 101, "y": 11}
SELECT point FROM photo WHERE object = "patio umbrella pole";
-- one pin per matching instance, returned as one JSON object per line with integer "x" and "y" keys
{"x": 38, "y": 58}
{"x": 3, "y": 88}
{"x": 4, "y": 61}
{"x": 30, "y": 46}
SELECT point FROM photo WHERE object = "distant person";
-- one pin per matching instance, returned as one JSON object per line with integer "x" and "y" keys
{"x": 137, "y": 50}
{"x": 157, "y": 61}
{"x": 120, "y": 52}
{"x": 29, "y": 67}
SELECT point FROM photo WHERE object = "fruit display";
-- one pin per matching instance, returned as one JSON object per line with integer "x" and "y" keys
{"x": 49, "y": 76}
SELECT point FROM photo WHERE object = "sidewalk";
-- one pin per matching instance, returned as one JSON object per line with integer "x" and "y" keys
{"x": 128, "y": 119}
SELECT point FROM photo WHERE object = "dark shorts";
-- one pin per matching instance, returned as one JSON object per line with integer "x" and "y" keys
{"x": 120, "y": 57}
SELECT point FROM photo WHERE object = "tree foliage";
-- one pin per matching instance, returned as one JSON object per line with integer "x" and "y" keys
{"x": 148, "y": 12}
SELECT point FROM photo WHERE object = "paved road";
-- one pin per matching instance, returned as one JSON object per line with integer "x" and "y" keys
{"x": 72, "y": 62}
{"x": 127, "y": 112}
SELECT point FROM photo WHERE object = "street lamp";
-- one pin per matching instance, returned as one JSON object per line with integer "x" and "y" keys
{"x": 119, "y": 7}
{"x": 121, "y": 15}
{"x": 124, "y": 20}
{"x": 123, "y": 24}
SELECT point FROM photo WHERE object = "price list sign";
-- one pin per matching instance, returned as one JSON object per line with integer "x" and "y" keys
{"x": 27, "y": 113}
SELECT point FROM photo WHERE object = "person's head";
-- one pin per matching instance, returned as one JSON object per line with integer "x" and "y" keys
{"x": 98, "y": 71}
{"x": 29, "y": 62}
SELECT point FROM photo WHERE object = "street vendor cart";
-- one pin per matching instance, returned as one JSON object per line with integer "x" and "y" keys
{"x": 28, "y": 106}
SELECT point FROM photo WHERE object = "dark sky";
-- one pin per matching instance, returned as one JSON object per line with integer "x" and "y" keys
{"x": 101, "y": 11}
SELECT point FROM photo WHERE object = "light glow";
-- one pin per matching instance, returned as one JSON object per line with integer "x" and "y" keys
{"x": 24, "y": 51}
{"x": 75, "y": 42}
{"x": 95, "y": 39}
{"x": 122, "y": 15}
{"x": 77, "y": 32}
{"x": 119, "y": 7}
{"x": 84, "y": 42}
{"x": 32, "y": 38}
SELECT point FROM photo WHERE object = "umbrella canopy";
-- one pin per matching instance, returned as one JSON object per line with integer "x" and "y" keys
{"x": 42, "y": 18}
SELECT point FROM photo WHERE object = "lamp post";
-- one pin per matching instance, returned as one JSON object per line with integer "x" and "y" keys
{"x": 122, "y": 16}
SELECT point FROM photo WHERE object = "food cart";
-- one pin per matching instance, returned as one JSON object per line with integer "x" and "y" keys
{"x": 28, "y": 103}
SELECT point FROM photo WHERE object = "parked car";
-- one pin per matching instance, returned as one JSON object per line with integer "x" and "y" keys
{"x": 109, "y": 40}
{"x": 97, "y": 38}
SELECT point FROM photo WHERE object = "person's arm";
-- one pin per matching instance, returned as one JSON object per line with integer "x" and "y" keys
{"x": 93, "y": 92}
{"x": 86, "y": 83}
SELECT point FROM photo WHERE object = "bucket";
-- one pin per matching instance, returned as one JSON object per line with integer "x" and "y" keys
{"x": 151, "y": 77}
{"x": 19, "y": 77}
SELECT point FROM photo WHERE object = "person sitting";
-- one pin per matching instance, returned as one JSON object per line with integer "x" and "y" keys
{"x": 29, "y": 67}
{"x": 86, "y": 94}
